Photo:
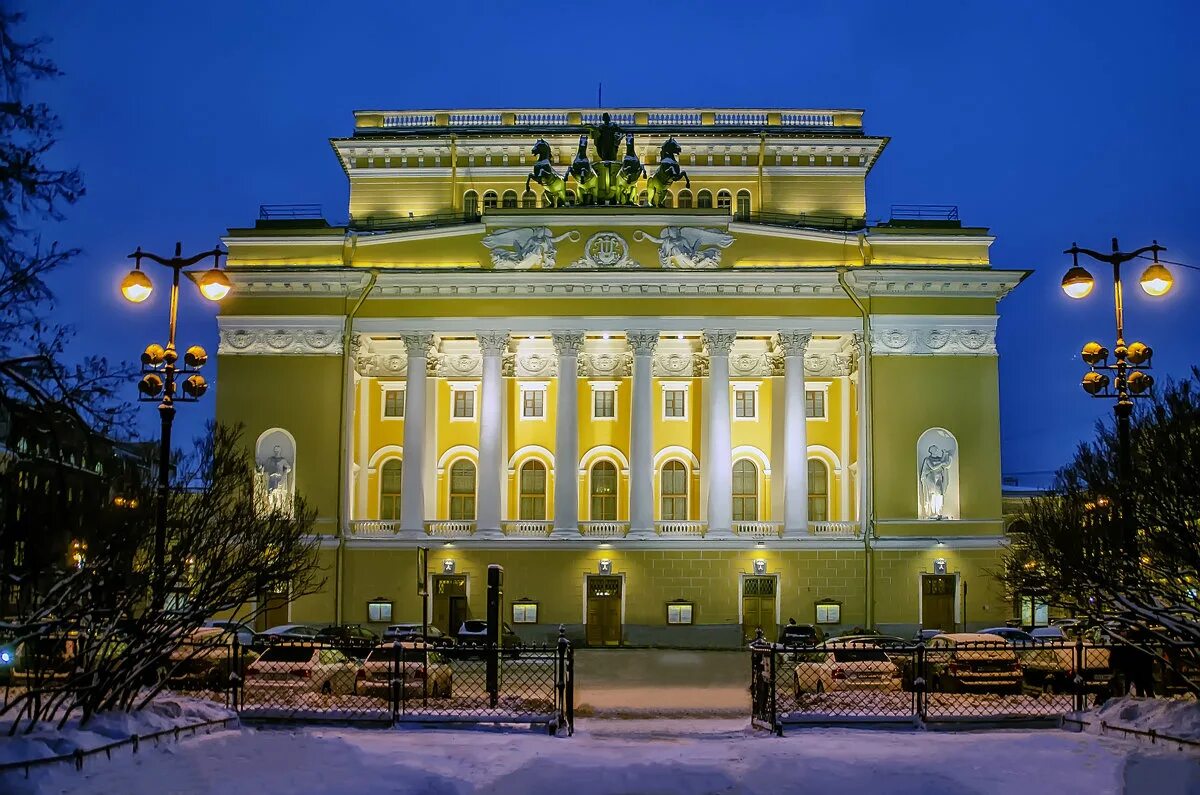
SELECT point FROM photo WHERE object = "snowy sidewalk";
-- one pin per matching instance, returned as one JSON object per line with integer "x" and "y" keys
{"x": 630, "y": 758}
{"x": 649, "y": 683}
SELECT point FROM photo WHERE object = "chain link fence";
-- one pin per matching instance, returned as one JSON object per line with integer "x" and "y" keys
{"x": 951, "y": 678}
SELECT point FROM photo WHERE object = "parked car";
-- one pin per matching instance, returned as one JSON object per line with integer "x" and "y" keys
{"x": 204, "y": 660}
{"x": 926, "y": 635}
{"x": 800, "y": 635}
{"x": 972, "y": 661}
{"x": 243, "y": 632}
{"x": 1049, "y": 633}
{"x": 425, "y": 671}
{"x": 284, "y": 632}
{"x": 896, "y": 648}
{"x": 473, "y": 632}
{"x": 1010, "y": 634}
{"x": 350, "y": 639}
{"x": 304, "y": 669}
{"x": 845, "y": 666}
{"x": 411, "y": 633}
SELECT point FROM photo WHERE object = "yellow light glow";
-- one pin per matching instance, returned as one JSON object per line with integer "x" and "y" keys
{"x": 1078, "y": 282}
{"x": 1157, "y": 280}
{"x": 136, "y": 287}
{"x": 214, "y": 284}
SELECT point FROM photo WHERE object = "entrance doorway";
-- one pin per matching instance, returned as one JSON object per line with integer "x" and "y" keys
{"x": 450, "y": 607}
{"x": 758, "y": 607}
{"x": 603, "y": 611}
{"x": 937, "y": 601}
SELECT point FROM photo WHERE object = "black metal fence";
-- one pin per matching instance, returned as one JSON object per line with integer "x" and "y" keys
{"x": 875, "y": 681}
{"x": 406, "y": 682}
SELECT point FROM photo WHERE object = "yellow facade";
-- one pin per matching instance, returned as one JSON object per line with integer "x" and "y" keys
{"x": 766, "y": 387}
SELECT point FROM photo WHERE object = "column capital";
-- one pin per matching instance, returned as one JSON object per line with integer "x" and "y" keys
{"x": 719, "y": 342}
{"x": 492, "y": 343}
{"x": 642, "y": 341}
{"x": 567, "y": 343}
{"x": 418, "y": 343}
{"x": 793, "y": 342}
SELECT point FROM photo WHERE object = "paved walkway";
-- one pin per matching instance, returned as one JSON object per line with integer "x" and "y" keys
{"x": 662, "y": 682}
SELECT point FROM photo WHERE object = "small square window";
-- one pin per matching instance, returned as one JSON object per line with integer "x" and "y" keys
{"x": 604, "y": 404}
{"x": 675, "y": 403}
{"x": 829, "y": 613}
{"x": 464, "y": 404}
{"x": 393, "y": 403}
{"x": 745, "y": 403}
{"x": 533, "y": 403}
{"x": 679, "y": 612}
{"x": 379, "y": 611}
{"x": 525, "y": 613}
{"x": 814, "y": 404}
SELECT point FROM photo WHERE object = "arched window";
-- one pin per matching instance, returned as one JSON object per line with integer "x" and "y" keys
{"x": 745, "y": 491}
{"x": 643, "y": 198}
{"x": 668, "y": 199}
{"x": 490, "y": 200}
{"x": 571, "y": 197}
{"x": 743, "y": 204}
{"x": 703, "y": 199}
{"x": 510, "y": 200}
{"x": 724, "y": 200}
{"x": 604, "y": 492}
{"x": 533, "y": 490}
{"x": 685, "y": 199}
{"x": 462, "y": 490}
{"x": 547, "y": 199}
{"x": 528, "y": 200}
{"x": 818, "y": 491}
{"x": 673, "y": 491}
{"x": 470, "y": 204}
{"x": 390, "y": 478}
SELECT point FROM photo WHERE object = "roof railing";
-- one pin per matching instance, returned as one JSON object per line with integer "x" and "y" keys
{"x": 626, "y": 117}
{"x": 924, "y": 212}
{"x": 280, "y": 212}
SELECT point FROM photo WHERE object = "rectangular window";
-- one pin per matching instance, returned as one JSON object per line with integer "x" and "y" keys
{"x": 393, "y": 403}
{"x": 525, "y": 613}
{"x": 675, "y": 403}
{"x": 814, "y": 404}
{"x": 744, "y": 404}
{"x": 464, "y": 404}
{"x": 604, "y": 404}
{"x": 533, "y": 403}
{"x": 379, "y": 611}
{"x": 679, "y": 612}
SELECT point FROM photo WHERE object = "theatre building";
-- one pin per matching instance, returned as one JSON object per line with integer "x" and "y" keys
{"x": 659, "y": 364}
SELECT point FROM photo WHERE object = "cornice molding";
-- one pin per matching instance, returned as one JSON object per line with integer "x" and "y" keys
{"x": 925, "y": 335}
{"x": 281, "y": 336}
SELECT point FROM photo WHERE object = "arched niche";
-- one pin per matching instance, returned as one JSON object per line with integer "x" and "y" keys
{"x": 937, "y": 475}
{"x": 275, "y": 472}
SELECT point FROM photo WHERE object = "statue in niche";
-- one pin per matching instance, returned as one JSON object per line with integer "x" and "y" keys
{"x": 274, "y": 480}
{"x": 935, "y": 481}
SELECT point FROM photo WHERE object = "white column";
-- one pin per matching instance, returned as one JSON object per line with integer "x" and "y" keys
{"x": 718, "y": 459}
{"x": 844, "y": 472}
{"x": 641, "y": 443}
{"x": 860, "y": 359}
{"x": 412, "y": 500}
{"x": 491, "y": 432}
{"x": 362, "y": 499}
{"x": 567, "y": 344}
{"x": 793, "y": 343}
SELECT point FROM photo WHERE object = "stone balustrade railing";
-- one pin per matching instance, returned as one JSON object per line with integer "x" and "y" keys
{"x": 383, "y": 529}
{"x": 527, "y": 528}
{"x": 564, "y": 117}
{"x": 834, "y": 529}
{"x": 680, "y": 529}
{"x": 758, "y": 529}
{"x": 603, "y": 529}
{"x": 449, "y": 529}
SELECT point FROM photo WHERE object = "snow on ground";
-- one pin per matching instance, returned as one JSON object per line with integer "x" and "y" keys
{"x": 167, "y": 711}
{"x": 1175, "y": 717}
{"x": 611, "y": 757}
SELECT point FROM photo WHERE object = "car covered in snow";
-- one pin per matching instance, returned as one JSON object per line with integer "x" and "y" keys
{"x": 204, "y": 659}
{"x": 970, "y": 661}
{"x": 411, "y": 633}
{"x": 285, "y": 632}
{"x": 844, "y": 666}
{"x": 800, "y": 635}
{"x": 473, "y": 635}
{"x": 425, "y": 671}
{"x": 1049, "y": 661}
{"x": 301, "y": 668}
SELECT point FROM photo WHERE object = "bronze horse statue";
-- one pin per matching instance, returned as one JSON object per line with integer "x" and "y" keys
{"x": 668, "y": 171}
{"x": 545, "y": 175}
{"x": 631, "y": 171}
{"x": 585, "y": 175}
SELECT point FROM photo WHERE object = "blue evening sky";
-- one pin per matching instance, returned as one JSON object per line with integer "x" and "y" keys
{"x": 1046, "y": 121}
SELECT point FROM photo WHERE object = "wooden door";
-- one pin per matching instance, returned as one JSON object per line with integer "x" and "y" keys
{"x": 937, "y": 602}
{"x": 603, "y": 611}
{"x": 450, "y": 607}
{"x": 758, "y": 608}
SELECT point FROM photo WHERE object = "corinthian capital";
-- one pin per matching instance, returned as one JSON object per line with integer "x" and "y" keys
{"x": 642, "y": 342}
{"x": 567, "y": 343}
{"x": 793, "y": 342}
{"x": 492, "y": 343}
{"x": 418, "y": 344}
{"x": 719, "y": 342}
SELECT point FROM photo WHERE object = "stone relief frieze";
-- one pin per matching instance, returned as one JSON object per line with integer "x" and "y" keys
{"x": 282, "y": 340}
{"x": 934, "y": 341}
{"x": 674, "y": 364}
{"x": 457, "y": 365}
{"x": 605, "y": 364}
{"x": 535, "y": 364}
{"x": 525, "y": 248}
{"x": 688, "y": 247}
{"x": 606, "y": 251}
{"x": 753, "y": 364}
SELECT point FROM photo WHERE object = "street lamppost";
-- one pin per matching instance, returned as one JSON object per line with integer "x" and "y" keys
{"x": 159, "y": 370}
{"x": 1129, "y": 377}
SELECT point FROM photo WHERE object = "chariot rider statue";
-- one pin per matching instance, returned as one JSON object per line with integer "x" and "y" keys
{"x": 607, "y": 138}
